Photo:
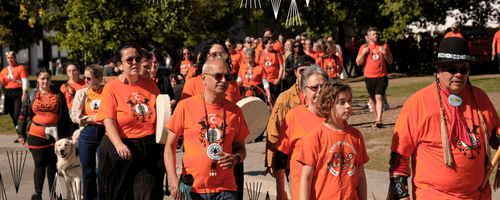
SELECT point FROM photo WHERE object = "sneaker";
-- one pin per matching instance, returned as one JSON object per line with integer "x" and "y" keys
{"x": 36, "y": 196}
{"x": 368, "y": 105}
{"x": 386, "y": 106}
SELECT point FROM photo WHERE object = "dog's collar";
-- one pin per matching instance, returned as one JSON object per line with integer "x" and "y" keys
{"x": 71, "y": 167}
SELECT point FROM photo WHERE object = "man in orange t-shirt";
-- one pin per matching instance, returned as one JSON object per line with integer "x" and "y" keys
{"x": 375, "y": 58}
{"x": 455, "y": 31}
{"x": 211, "y": 125}
{"x": 195, "y": 86}
{"x": 495, "y": 47}
{"x": 435, "y": 121}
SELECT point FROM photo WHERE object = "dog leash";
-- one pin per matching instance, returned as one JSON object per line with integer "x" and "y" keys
{"x": 38, "y": 147}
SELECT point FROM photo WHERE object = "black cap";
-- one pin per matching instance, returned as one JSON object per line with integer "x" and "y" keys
{"x": 304, "y": 60}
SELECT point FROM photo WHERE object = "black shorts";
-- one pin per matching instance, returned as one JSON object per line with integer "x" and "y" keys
{"x": 376, "y": 85}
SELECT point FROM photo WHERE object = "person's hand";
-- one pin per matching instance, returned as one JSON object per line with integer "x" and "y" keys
{"x": 124, "y": 152}
{"x": 277, "y": 82}
{"x": 174, "y": 188}
{"x": 365, "y": 51}
{"x": 269, "y": 98}
{"x": 382, "y": 50}
{"x": 239, "y": 82}
{"x": 226, "y": 160}
{"x": 21, "y": 140}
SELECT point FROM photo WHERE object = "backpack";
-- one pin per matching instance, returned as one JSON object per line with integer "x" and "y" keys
{"x": 382, "y": 61}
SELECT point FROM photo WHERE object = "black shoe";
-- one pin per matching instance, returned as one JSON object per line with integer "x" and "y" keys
{"x": 16, "y": 141}
{"x": 36, "y": 196}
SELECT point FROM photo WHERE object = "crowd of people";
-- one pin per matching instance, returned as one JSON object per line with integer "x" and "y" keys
{"x": 446, "y": 128}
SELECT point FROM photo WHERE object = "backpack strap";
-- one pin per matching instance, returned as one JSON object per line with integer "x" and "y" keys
{"x": 260, "y": 54}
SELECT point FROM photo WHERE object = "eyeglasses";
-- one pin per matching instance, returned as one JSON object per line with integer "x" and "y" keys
{"x": 455, "y": 70}
{"x": 87, "y": 78}
{"x": 218, "y": 54}
{"x": 314, "y": 88}
{"x": 219, "y": 76}
{"x": 9, "y": 53}
{"x": 130, "y": 60}
{"x": 295, "y": 46}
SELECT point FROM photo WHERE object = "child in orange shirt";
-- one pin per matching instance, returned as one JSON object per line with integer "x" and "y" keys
{"x": 333, "y": 153}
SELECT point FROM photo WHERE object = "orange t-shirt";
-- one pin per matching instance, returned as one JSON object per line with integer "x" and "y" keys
{"x": 496, "y": 38}
{"x": 195, "y": 86}
{"x": 185, "y": 66}
{"x": 417, "y": 134}
{"x": 235, "y": 61}
{"x": 132, "y": 106}
{"x": 252, "y": 76}
{"x": 335, "y": 158}
{"x": 271, "y": 63}
{"x": 191, "y": 72}
{"x": 278, "y": 47}
{"x": 45, "y": 112}
{"x": 18, "y": 72}
{"x": 92, "y": 103}
{"x": 451, "y": 34}
{"x": 190, "y": 121}
{"x": 330, "y": 65}
{"x": 70, "y": 91}
{"x": 298, "y": 122}
{"x": 373, "y": 59}
{"x": 312, "y": 54}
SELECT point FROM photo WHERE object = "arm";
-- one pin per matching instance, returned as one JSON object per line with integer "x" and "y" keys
{"x": 24, "y": 95}
{"x": 362, "y": 191}
{"x": 361, "y": 58}
{"x": 493, "y": 48}
{"x": 305, "y": 182}
{"x": 388, "y": 57}
{"x": 170, "y": 162}
{"x": 76, "y": 110}
{"x": 23, "y": 115}
{"x": 122, "y": 149}
{"x": 228, "y": 161}
{"x": 399, "y": 172}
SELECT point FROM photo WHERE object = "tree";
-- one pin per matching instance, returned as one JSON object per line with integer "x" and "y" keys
{"x": 93, "y": 29}
{"x": 15, "y": 32}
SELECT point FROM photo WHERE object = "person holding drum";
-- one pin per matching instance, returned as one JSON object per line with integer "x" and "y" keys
{"x": 15, "y": 80}
{"x": 298, "y": 122}
{"x": 214, "y": 48}
{"x": 214, "y": 131}
{"x": 84, "y": 112}
{"x": 70, "y": 87}
{"x": 128, "y": 151}
{"x": 253, "y": 77}
{"x": 44, "y": 114}
{"x": 287, "y": 100}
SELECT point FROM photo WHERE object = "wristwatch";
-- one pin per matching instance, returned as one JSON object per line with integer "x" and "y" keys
{"x": 239, "y": 158}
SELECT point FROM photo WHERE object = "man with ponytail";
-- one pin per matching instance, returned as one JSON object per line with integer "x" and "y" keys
{"x": 447, "y": 129}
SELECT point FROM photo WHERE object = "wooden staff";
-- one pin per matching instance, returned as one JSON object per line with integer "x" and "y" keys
{"x": 490, "y": 169}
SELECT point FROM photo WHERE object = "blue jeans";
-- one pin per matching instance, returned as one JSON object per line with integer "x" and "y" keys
{"x": 223, "y": 195}
{"x": 88, "y": 146}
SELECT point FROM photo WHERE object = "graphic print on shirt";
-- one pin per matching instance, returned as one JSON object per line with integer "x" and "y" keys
{"x": 212, "y": 132}
{"x": 475, "y": 139}
{"x": 342, "y": 159}
{"x": 94, "y": 104}
{"x": 139, "y": 105}
{"x": 329, "y": 67}
{"x": 46, "y": 107}
{"x": 268, "y": 62}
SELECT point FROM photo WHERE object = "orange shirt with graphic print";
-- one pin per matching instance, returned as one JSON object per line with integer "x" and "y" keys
{"x": 330, "y": 65}
{"x": 132, "y": 106}
{"x": 70, "y": 91}
{"x": 335, "y": 158}
{"x": 417, "y": 134}
{"x": 373, "y": 59}
{"x": 185, "y": 66}
{"x": 18, "y": 72}
{"x": 236, "y": 60}
{"x": 252, "y": 76}
{"x": 92, "y": 103}
{"x": 298, "y": 122}
{"x": 195, "y": 86}
{"x": 190, "y": 121}
{"x": 45, "y": 112}
{"x": 271, "y": 63}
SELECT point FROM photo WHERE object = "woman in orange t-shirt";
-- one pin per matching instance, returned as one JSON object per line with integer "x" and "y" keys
{"x": 182, "y": 67}
{"x": 128, "y": 152}
{"x": 298, "y": 122}
{"x": 330, "y": 62}
{"x": 70, "y": 88}
{"x": 84, "y": 112}
{"x": 253, "y": 76}
{"x": 333, "y": 154}
{"x": 44, "y": 111}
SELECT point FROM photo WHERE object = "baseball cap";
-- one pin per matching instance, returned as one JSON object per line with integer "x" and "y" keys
{"x": 248, "y": 39}
{"x": 304, "y": 60}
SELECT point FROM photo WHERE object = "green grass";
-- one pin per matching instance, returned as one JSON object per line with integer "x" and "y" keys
{"x": 6, "y": 125}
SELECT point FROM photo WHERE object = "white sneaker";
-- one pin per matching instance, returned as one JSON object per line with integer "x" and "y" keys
{"x": 368, "y": 105}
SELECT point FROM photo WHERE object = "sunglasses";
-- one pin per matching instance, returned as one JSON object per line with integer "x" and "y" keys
{"x": 9, "y": 53}
{"x": 220, "y": 55}
{"x": 295, "y": 46}
{"x": 185, "y": 54}
{"x": 455, "y": 70}
{"x": 131, "y": 60}
{"x": 218, "y": 77}
{"x": 314, "y": 88}
{"x": 87, "y": 78}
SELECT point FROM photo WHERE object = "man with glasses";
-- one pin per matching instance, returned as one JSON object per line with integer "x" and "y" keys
{"x": 445, "y": 128}
{"x": 287, "y": 100}
{"x": 211, "y": 125}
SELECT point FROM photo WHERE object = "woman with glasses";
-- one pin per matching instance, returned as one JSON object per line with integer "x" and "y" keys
{"x": 84, "y": 112}
{"x": 182, "y": 67}
{"x": 44, "y": 114}
{"x": 14, "y": 78}
{"x": 128, "y": 151}
{"x": 70, "y": 87}
{"x": 298, "y": 50}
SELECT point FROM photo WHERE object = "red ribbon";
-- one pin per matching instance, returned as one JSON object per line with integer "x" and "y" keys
{"x": 456, "y": 124}
{"x": 38, "y": 147}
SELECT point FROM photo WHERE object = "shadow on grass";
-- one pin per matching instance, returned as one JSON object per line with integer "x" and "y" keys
{"x": 253, "y": 173}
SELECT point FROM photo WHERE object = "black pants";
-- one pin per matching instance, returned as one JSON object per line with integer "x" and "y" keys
{"x": 137, "y": 178}
{"x": 13, "y": 103}
{"x": 45, "y": 161}
{"x": 239, "y": 174}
